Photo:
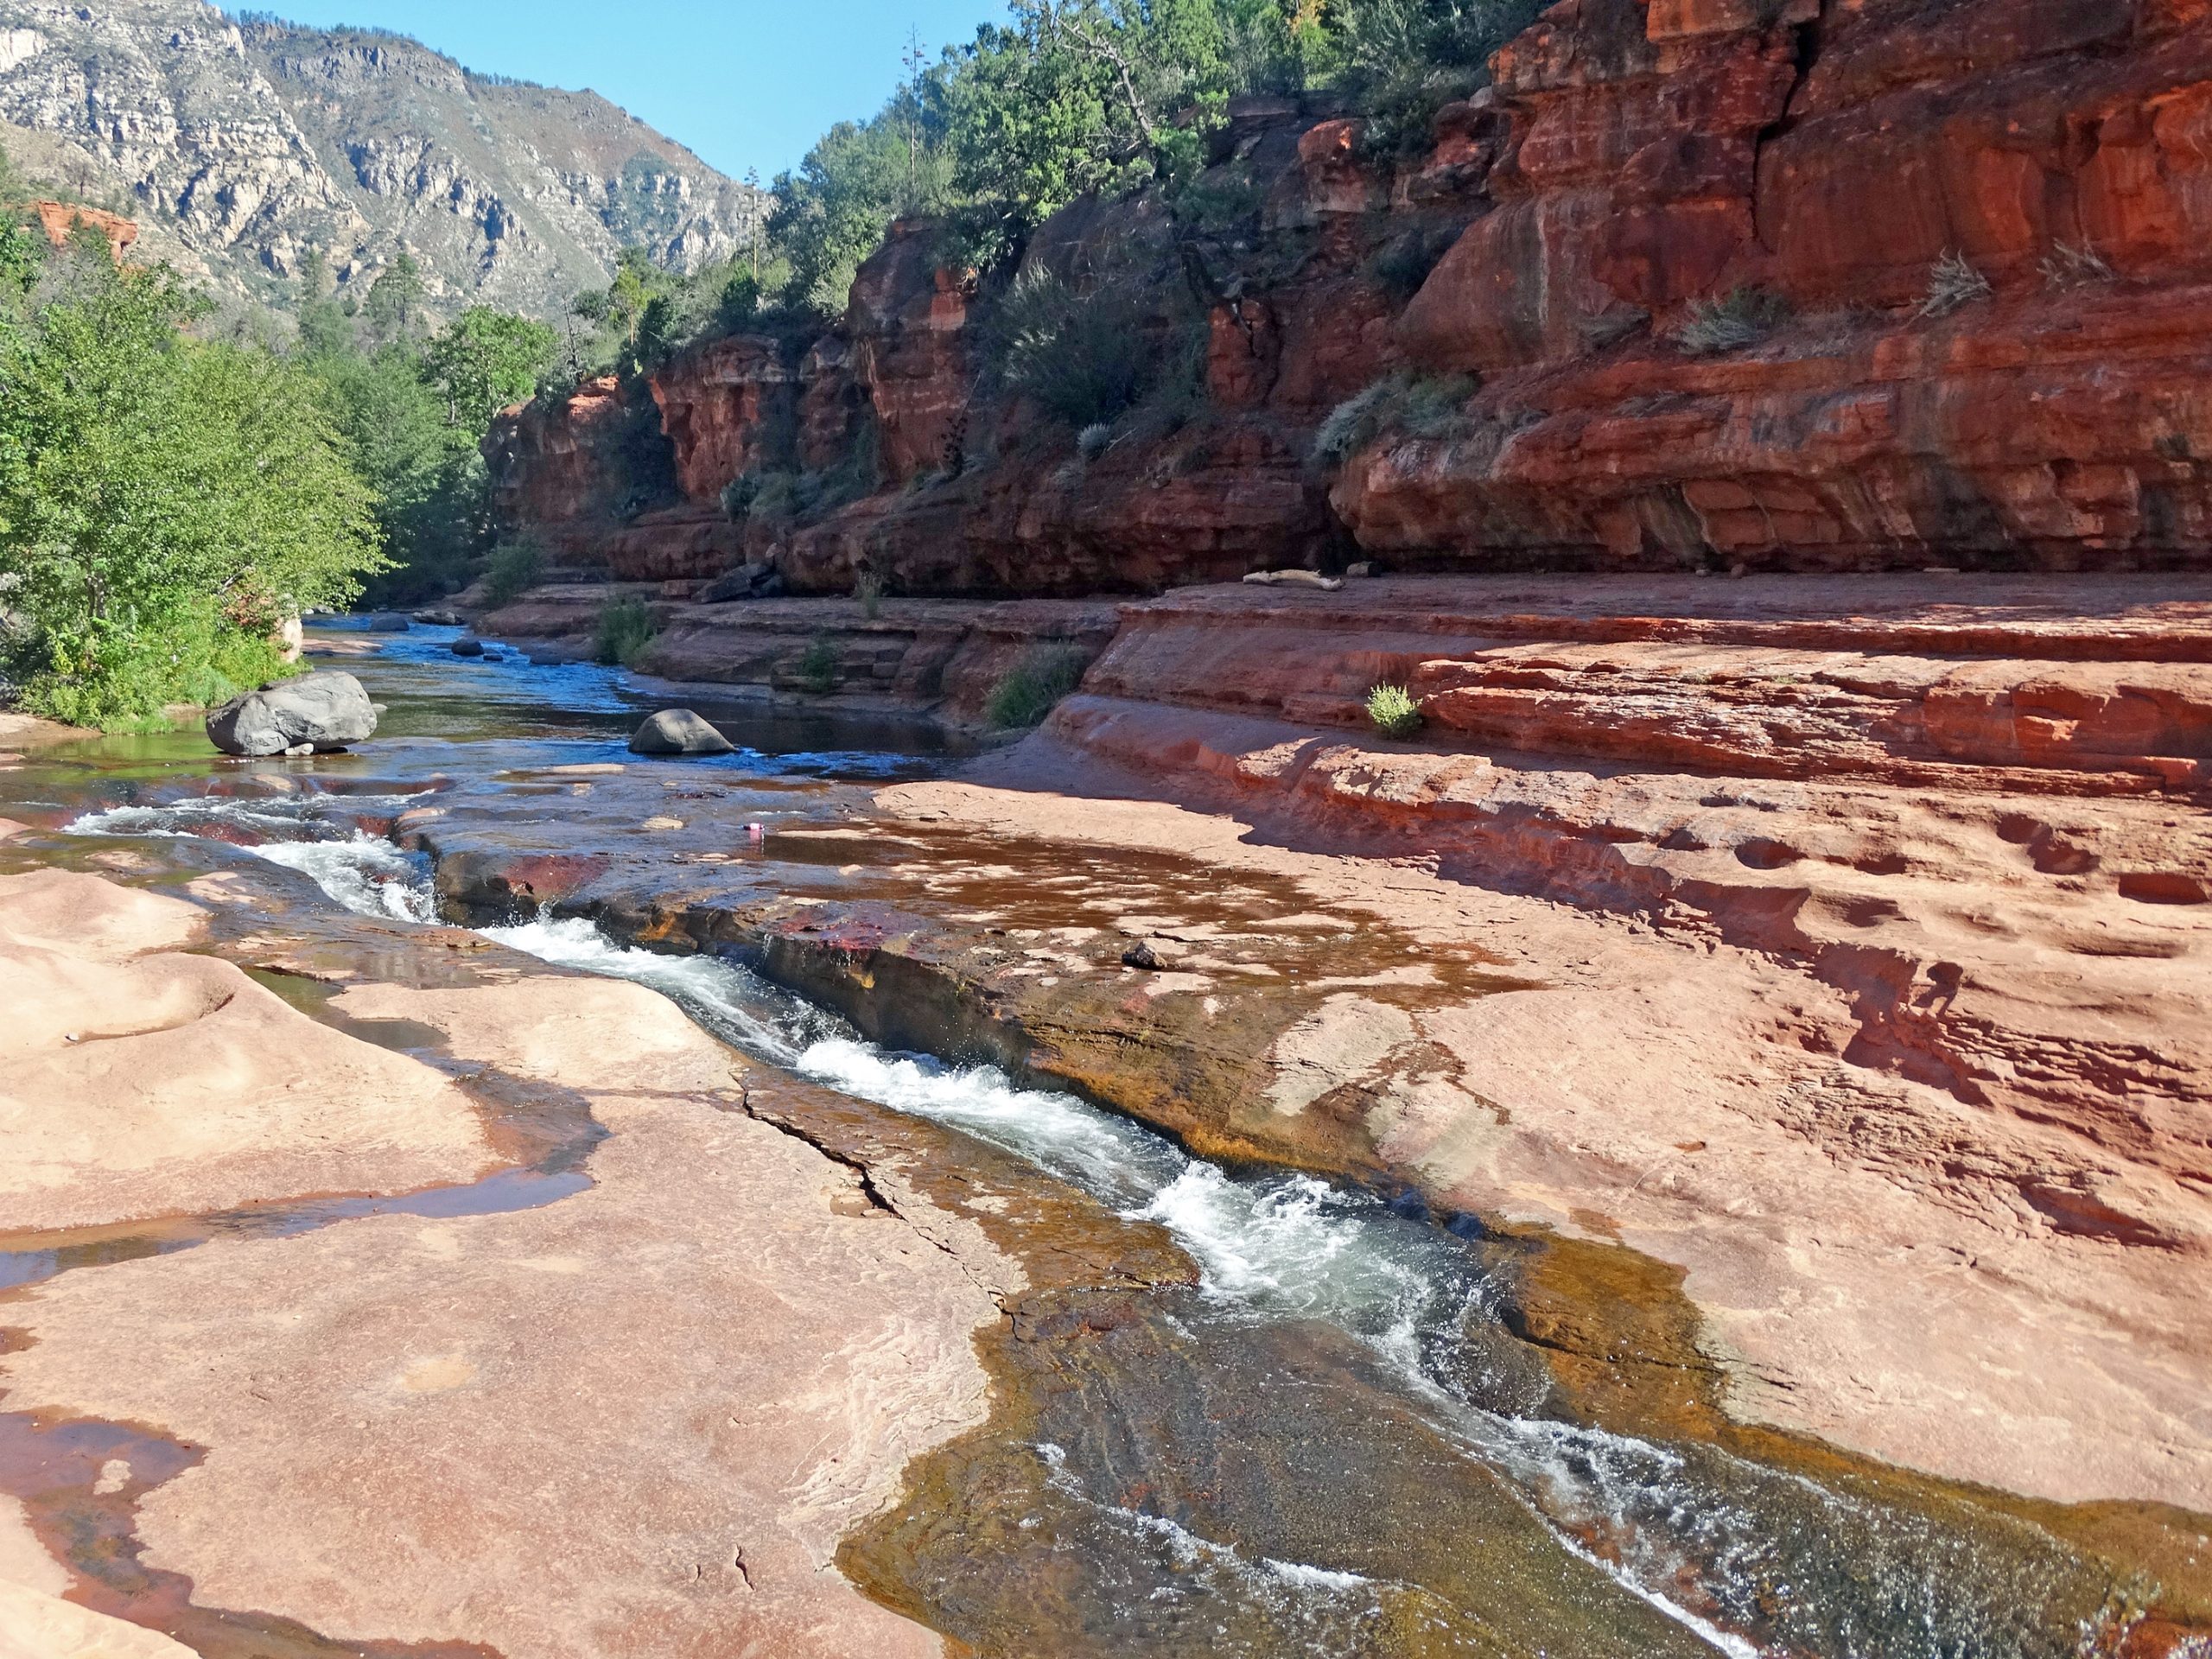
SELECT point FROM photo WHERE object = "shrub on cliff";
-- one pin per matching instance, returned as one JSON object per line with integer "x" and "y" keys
{"x": 1028, "y": 690}
{"x": 1393, "y": 711}
{"x": 1742, "y": 317}
{"x": 513, "y": 568}
{"x": 626, "y": 628}
{"x": 1417, "y": 406}
{"x": 165, "y": 503}
{"x": 1087, "y": 358}
{"x": 1952, "y": 282}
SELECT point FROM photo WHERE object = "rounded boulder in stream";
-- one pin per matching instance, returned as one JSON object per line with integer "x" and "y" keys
{"x": 678, "y": 731}
{"x": 314, "y": 713}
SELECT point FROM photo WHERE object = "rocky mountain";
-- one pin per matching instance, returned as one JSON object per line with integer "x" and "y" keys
{"x": 241, "y": 144}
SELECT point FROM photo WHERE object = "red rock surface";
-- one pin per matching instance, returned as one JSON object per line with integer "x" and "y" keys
{"x": 58, "y": 219}
{"x": 1862, "y": 924}
{"x": 730, "y": 407}
{"x": 940, "y": 657}
{"x": 556, "y": 468}
{"x": 1634, "y": 157}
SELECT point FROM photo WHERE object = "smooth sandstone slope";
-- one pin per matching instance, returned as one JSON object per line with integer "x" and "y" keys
{"x": 142, "y": 1080}
{"x": 1901, "y": 1053}
{"x": 634, "y": 1422}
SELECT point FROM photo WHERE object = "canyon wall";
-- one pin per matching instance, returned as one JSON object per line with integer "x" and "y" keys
{"x": 1793, "y": 284}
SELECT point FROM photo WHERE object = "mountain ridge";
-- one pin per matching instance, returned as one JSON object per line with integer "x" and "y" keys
{"x": 242, "y": 144}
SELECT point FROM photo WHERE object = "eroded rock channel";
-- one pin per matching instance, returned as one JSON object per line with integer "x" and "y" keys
{"x": 943, "y": 1275}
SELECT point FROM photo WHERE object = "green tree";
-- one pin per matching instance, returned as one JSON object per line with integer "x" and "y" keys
{"x": 394, "y": 306}
{"x": 324, "y": 329}
{"x": 486, "y": 360}
{"x": 164, "y": 503}
{"x": 425, "y": 473}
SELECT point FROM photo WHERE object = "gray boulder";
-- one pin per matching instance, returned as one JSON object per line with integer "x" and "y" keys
{"x": 439, "y": 618}
{"x": 319, "y": 712}
{"x": 389, "y": 622}
{"x": 746, "y": 581}
{"x": 466, "y": 645}
{"x": 678, "y": 731}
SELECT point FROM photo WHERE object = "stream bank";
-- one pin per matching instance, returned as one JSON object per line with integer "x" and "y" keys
{"x": 1158, "y": 1452}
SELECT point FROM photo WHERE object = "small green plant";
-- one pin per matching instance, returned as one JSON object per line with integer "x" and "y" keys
{"x": 512, "y": 567}
{"x": 1029, "y": 690}
{"x": 1742, "y": 317}
{"x": 868, "y": 588}
{"x": 1393, "y": 711}
{"x": 1087, "y": 357}
{"x": 1952, "y": 282}
{"x": 1420, "y": 406}
{"x": 739, "y": 494}
{"x": 818, "y": 666}
{"x": 626, "y": 628}
{"x": 1093, "y": 440}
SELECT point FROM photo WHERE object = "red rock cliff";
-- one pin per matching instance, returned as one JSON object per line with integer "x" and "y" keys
{"x": 1634, "y": 162}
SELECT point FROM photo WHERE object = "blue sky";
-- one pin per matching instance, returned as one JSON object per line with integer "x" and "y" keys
{"x": 746, "y": 83}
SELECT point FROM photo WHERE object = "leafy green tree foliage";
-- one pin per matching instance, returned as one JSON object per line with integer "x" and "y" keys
{"x": 486, "y": 360}
{"x": 324, "y": 327}
{"x": 393, "y": 309}
{"x": 425, "y": 473}
{"x": 832, "y": 212}
{"x": 164, "y": 502}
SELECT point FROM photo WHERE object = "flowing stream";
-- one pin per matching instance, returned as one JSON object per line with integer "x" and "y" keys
{"x": 1744, "y": 1559}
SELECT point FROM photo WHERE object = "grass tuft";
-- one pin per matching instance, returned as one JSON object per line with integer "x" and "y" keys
{"x": 626, "y": 628}
{"x": 818, "y": 666}
{"x": 1030, "y": 688}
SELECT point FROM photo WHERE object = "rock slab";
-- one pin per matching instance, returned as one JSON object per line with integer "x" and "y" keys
{"x": 324, "y": 711}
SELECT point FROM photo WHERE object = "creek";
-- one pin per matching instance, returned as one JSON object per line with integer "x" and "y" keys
{"x": 1327, "y": 1444}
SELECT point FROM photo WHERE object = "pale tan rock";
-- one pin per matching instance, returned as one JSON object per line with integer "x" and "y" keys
{"x": 86, "y": 915}
{"x": 635, "y": 1422}
{"x": 36, "y": 1625}
{"x": 23, "y": 1560}
{"x": 2006, "y": 1293}
{"x": 162, "y": 1083}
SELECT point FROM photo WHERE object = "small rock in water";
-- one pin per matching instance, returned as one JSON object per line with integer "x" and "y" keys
{"x": 466, "y": 645}
{"x": 316, "y": 712}
{"x": 439, "y": 618}
{"x": 662, "y": 823}
{"x": 1155, "y": 954}
{"x": 389, "y": 622}
{"x": 678, "y": 731}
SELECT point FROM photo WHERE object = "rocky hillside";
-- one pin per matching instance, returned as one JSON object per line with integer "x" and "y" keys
{"x": 1831, "y": 284}
{"x": 240, "y": 148}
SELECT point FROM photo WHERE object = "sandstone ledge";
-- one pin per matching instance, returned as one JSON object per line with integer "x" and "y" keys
{"x": 641, "y": 1390}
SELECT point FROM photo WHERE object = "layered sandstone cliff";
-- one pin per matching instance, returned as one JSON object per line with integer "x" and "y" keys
{"x": 1831, "y": 284}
